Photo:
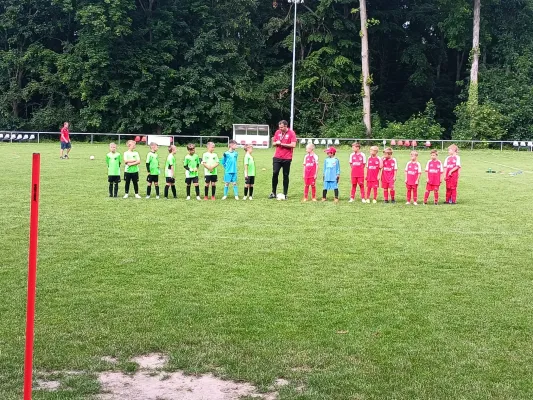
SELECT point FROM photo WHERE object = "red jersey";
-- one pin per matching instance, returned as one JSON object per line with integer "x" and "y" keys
{"x": 390, "y": 166}
{"x": 310, "y": 166}
{"x": 434, "y": 170}
{"x": 373, "y": 165}
{"x": 413, "y": 170}
{"x": 64, "y": 135}
{"x": 285, "y": 153}
{"x": 357, "y": 162}
{"x": 450, "y": 163}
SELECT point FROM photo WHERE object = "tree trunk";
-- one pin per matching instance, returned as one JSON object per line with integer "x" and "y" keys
{"x": 473, "y": 92}
{"x": 365, "y": 68}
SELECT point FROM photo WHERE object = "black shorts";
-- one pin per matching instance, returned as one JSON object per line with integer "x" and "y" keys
{"x": 211, "y": 178}
{"x": 170, "y": 180}
{"x": 132, "y": 176}
{"x": 113, "y": 178}
{"x": 250, "y": 180}
{"x": 189, "y": 181}
{"x": 152, "y": 178}
{"x": 65, "y": 145}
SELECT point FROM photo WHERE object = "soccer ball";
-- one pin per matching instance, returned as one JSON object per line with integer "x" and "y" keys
{"x": 280, "y": 196}
{"x": 91, "y": 158}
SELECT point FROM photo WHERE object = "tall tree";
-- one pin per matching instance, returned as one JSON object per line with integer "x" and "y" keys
{"x": 365, "y": 67}
{"x": 473, "y": 91}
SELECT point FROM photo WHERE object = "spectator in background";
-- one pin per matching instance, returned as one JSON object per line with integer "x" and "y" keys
{"x": 65, "y": 141}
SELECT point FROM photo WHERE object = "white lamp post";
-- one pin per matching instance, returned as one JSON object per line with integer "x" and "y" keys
{"x": 295, "y": 2}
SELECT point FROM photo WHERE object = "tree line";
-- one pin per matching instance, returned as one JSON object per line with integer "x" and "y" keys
{"x": 381, "y": 68}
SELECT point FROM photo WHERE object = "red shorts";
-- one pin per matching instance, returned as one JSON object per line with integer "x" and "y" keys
{"x": 358, "y": 180}
{"x": 431, "y": 188}
{"x": 387, "y": 185}
{"x": 411, "y": 187}
{"x": 451, "y": 182}
{"x": 372, "y": 184}
{"x": 310, "y": 181}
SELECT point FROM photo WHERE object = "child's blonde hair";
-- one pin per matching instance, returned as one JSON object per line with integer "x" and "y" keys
{"x": 388, "y": 150}
{"x": 130, "y": 142}
{"x": 453, "y": 148}
{"x": 310, "y": 145}
{"x": 414, "y": 153}
{"x": 374, "y": 148}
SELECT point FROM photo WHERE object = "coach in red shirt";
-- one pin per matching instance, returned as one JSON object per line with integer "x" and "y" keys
{"x": 284, "y": 141}
{"x": 65, "y": 141}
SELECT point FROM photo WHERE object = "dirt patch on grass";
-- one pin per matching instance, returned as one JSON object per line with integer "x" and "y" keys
{"x": 151, "y": 361}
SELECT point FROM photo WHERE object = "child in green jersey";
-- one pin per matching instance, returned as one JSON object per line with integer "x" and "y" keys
{"x": 131, "y": 169}
{"x": 191, "y": 164}
{"x": 249, "y": 172}
{"x": 210, "y": 162}
{"x": 170, "y": 169}
{"x": 113, "y": 161}
{"x": 152, "y": 167}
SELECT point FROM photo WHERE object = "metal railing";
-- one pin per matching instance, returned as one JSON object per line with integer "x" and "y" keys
{"x": 429, "y": 144}
{"x": 30, "y": 136}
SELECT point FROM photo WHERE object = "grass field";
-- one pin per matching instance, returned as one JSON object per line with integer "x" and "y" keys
{"x": 350, "y": 301}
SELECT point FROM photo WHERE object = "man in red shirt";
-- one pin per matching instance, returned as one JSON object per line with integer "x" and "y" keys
{"x": 284, "y": 140}
{"x": 65, "y": 141}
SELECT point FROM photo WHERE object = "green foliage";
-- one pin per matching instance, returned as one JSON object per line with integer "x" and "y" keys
{"x": 482, "y": 122}
{"x": 422, "y": 126}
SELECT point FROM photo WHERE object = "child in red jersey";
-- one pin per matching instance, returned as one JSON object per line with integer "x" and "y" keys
{"x": 310, "y": 171}
{"x": 413, "y": 170}
{"x": 452, "y": 167}
{"x": 388, "y": 175}
{"x": 357, "y": 162}
{"x": 373, "y": 169}
{"x": 434, "y": 172}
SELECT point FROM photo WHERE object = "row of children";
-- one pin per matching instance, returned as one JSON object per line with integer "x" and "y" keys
{"x": 191, "y": 165}
{"x": 382, "y": 169}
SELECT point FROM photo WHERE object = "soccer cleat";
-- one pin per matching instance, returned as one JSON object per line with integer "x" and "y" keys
{"x": 206, "y": 198}
{"x": 336, "y": 200}
{"x": 236, "y": 197}
{"x": 147, "y": 197}
{"x": 137, "y": 196}
{"x": 304, "y": 199}
{"x": 363, "y": 200}
{"x": 314, "y": 199}
{"x": 244, "y": 198}
{"x": 407, "y": 203}
{"x": 351, "y": 200}
{"x": 224, "y": 197}
{"x": 323, "y": 199}
{"x": 213, "y": 198}
{"x": 436, "y": 203}
{"x": 250, "y": 198}
{"x": 386, "y": 202}
{"x": 126, "y": 196}
{"x": 198, "y": 198}
{"x": 373, "y": 201}
{"x": 272, "y": 196}
{"x": 157, "y": 197}
{"x": 188, "y": 198}
{"x": 415, "y": 203}
{"x": 425, "y": 203}
{"x": 393, "y": 201}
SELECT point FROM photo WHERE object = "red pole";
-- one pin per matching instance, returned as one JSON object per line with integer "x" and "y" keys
{"x": 32, "y": 275}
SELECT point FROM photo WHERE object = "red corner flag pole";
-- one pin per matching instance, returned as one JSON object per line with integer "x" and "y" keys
{"x": 32, "y": 275}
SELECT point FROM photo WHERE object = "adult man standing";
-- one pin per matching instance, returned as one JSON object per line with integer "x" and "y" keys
{"x": 284, "y": 140}
{"x": 65, "y": 141}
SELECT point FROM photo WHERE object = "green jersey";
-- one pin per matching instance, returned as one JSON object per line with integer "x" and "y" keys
{"x": 169, "y": 166}
{"x": 131, "y": 156}
{"x": 113, "y": 161}
{"x": 152, "y": 163}
{"x": 191, "y": 162}
{"x": 210, "y": 159}
{"x": 249, "y": 160}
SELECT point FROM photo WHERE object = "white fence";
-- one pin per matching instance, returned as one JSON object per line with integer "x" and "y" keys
{"x": 417, "y": 144}
{"x": 29, "y": 136}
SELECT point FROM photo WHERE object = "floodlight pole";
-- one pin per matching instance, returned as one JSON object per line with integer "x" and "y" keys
{"x": 295, "y": 2}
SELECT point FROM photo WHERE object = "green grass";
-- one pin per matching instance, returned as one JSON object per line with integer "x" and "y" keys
{"x": 436, "y": 301}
